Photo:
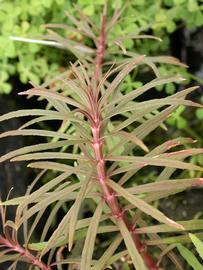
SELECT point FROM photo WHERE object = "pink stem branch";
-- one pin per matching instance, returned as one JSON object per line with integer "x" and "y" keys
{"x": 15, "y": 247}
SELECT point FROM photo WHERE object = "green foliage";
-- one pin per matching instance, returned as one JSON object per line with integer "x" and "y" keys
{"x": 25, "y": 19}
{"x": 92, "y": 103}
{"x": 189, "y": 256}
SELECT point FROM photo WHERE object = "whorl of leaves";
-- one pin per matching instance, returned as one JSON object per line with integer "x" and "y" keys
{"x": 94, "y": 156}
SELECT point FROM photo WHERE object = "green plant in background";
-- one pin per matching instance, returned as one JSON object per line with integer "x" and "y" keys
{"x": 95, "y": 155}
{"x": 32, "y": 62}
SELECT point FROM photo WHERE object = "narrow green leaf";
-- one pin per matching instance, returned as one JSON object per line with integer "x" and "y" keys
{"x": 49, "y": 155}
{"x": 134, "y": 94}
{"x": 102, "y": 262}
{"x": 189, "y": 257}
{"x": 133, "y": 139}
{"x": 198, "y": 244}
{"x": 53, "y": 197}
{"x": 117, "y": 257}
{"x": 38, "y": 132}
{"x": 190, "y": 225}
{"x": 145, "y": 161}
{"x": 183, "y": 153}
{"x": 167, "y": 59}
{"x": 121, "y": 75}
{"x": 90, "y": 238}
{"x": 143, "y": 206}
{"x": 182, "y": 239}
{"x": 39, "y": 147}
{"x": 56, "y": 238}
{"x": 171, "y": 184}
{"x": 32, "y": 112}
{"x": 48, "y": 94}
{"x": 153, "y": 104}
{"x": 132, "y": 249}
{"x": 75, "y": 211}
{"x": 55, "y": 166}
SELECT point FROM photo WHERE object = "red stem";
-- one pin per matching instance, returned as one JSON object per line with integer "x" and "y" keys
{"x": 100, "y": 48}
{"x": 15, "y": 247}
{"x": 97, "y": 144}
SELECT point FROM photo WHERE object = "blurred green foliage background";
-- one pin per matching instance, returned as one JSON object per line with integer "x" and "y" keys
{"x": 25, "y": 18}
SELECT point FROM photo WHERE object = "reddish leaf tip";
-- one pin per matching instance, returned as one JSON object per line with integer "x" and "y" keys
{"x": 175, "y": 224}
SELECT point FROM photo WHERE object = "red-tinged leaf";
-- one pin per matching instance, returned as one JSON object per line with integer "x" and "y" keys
{"x": 145, "y": 161}
{"x": 166, "y": 185}
{"x": 32, "y": 112}
{"x": 48, "y": 94}
{"x": 39, "y": 147}
{"x": 121, "y": 75}
{"x": 49, "y": 155}
{"x": 190, "y": 225}
{"x": 182, "y": 153}
{"x": 130, "y": 244}
{"x": 167, "y": 59}
{"x": 143, "y": 206}
{"x": 91, "y": 237}
{"x": 45, "y": 202}
{"x": 136, "y": 93}
{"x": 38, "y": 132}
{"x": 131, "y": 137}
{"x": 154, "y": 104}
{"x": 183, "y": 239}
{"x": 74, "y": 214}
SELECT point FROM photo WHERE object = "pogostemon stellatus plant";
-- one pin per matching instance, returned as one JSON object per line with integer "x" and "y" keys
{"x": 95, "y": 156}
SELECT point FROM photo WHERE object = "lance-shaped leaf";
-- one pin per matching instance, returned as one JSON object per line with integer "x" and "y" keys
{"x": 102, "y": 262}
{"x": 166, "y": 59}
{"x": 42, "y": 119}
{"x": 50, "y": 155}
{"x": 175, "y": 98}
{"x": 131, "y": 137}
{"x": 32, "y": 112}
{"x": 56, "y": 238}
{"x": 143, "y": 206}
{"x": 182, "y": 239}
{"x": 189, "y": 257}
{"x": 30, "y": 198}
{"x": 166, "y": 185}
{"x": 157, "y": 150}
{"x": 38, "y": 132}
{"x": 182, "y": 154}
{"x": 90, "y": 238}
{"x": 121, "y": 75}
{"x": 154, "y": 104}
{"x": 144, "y": 129}
{"x": 53, "y": 197}
{"x": 55, "y": 166}
{"x": 48, "y": 94}
{"x": 197, "y": 243}
{"x": 145, "y": 161}
{"x": 136, "y": 93}
{"x": 39, "y": 147}
{"x": 76, "y": 208}
{"x": 189, "y": 225}
{"x": 130, "y": 244}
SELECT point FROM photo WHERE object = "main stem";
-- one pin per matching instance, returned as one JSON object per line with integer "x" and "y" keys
{"x": 109, "y": 195}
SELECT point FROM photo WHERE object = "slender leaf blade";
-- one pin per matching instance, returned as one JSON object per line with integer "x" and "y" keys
{"x": 90, "y": 238}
